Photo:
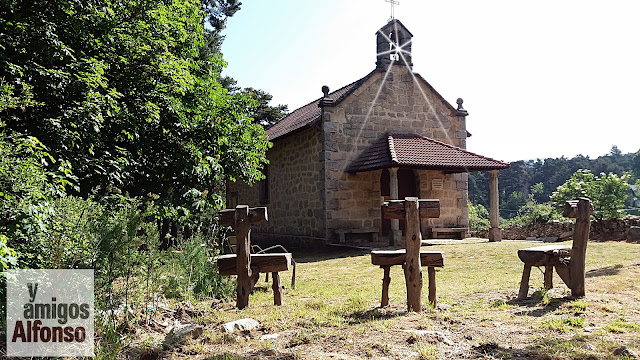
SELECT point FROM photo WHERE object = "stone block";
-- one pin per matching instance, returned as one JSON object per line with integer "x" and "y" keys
{"x": 633, "y": 234}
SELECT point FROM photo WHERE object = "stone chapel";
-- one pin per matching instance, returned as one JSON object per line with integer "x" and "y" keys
{"x": 388, "y": 135}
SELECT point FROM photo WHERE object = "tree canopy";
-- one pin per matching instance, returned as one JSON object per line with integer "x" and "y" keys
{"x": 122, "y": 92}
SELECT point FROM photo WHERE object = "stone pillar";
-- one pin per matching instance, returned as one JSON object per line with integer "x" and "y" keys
{"x": 396, "y": 234}
{"x": 495, "y": 233}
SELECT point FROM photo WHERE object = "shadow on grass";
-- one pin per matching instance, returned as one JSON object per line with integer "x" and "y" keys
{"x": 359, "y": 317}
{"x": 605, "y": 271}
{"x": 538, "y": 302}
{"x": 329, "y": 254}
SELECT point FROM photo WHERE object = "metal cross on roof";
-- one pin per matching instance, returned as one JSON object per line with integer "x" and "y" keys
{"x": 392, "y": 2}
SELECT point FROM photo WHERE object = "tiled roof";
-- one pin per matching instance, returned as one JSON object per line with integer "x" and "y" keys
{"x": 416, "y": 151}
{"x": 307, "y": 115}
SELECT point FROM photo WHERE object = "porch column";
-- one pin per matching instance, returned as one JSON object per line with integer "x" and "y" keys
{"x": 396, "y": 234}
{"x": 495, "y": 233}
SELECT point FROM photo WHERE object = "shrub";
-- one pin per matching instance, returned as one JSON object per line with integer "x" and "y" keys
{"x": 478, "y": 217}
{"x": 607, "y": 192}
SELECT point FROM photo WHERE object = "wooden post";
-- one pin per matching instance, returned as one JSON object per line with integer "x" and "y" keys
{"x": 432, "y": 286}
{"x": 581, "y": 210}
{"x": 277, "y": 289}
{"x": 412, "y": 210}
{"x": 243, "y": 250}
{"x": 386, "y": 280}
{"x": 524, "y": 283}
{"x": 548, "y": 277}
{"x": 241, "y": 219}
{"x": 413, "y": 268}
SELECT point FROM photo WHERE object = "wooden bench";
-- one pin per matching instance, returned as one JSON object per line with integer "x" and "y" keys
{"x": 260, "y": 263}
{"x": 569, "y": 261}
{"x": 460, "y": 232}
{"x": 342, "y": 238}
{"x": 549, "y": 256}
{"x": 386, "y": 259}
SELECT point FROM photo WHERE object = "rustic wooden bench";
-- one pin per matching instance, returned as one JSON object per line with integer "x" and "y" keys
{"x": 569, "y": 261}
{"x": 549, "y": 256}
{"x": 460, "y": 232}
{"x": 386, "y": 259}
{"x": 260, "y": 263}
{"x": 342, "y": 238}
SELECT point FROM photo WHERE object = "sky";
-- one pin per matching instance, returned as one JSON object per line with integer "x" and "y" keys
{"x": 539, "y": 79}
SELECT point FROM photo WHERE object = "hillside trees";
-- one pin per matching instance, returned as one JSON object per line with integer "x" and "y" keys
{"x": 121, "y": 91}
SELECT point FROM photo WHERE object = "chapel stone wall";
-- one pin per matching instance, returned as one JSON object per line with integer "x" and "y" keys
{"x": 397, "y": 102}
{"x": 296, "y": 182}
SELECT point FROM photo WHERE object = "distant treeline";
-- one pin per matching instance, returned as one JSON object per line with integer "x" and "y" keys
{"x": 515, "y": 183}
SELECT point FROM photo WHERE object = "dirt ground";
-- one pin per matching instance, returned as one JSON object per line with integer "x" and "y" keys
{"x": 482, "y": 322}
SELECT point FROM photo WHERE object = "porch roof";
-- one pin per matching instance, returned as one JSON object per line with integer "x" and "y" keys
{"x": 416, "y": 151}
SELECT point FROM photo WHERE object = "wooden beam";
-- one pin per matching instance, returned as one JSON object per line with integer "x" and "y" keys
{"x": 261, "y": 263}
{"x": 579, "y": 250}
{"x": 524, "y": 283}
{"x": 392, "y": 257}
{"x": 547, "y": 255}
{"x": 226, "y": 217}
{"x": 277, "y": 289}
{"x": 428, "y": 208}
{"x": 386, "y": 280}
{"x": 565, "y": 274}
{"x": 412, "y": 266}
{"x": 432, "y": 286}
{"x": 243, "y": 259}
{"x": 548, "y": 277}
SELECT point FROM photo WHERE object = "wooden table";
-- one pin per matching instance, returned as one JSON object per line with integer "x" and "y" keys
{"x": 386, "y": 259}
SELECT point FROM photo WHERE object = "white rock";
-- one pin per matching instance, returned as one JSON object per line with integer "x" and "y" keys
{"x": 588, "y": 347}
{"x": 242, "y": 324}
{"x": 179, "y": 332}
{"x": 266, "y": 337}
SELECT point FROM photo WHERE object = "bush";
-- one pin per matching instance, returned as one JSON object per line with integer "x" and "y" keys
{"x": 478, "y": 217}
{"x": 607, "y": 192}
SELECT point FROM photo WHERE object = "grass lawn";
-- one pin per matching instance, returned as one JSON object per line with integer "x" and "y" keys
{"x": 334, "y": 311}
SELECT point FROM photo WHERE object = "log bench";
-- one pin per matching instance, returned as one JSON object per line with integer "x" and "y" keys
{"x": 342, "y": 238}
{"x": 386, "y": 259}
{"x": 260, "y": 263}
{"x": 461, "y": 233}
{"x": 569, "y": 261}
{"x": 549, "y": 256}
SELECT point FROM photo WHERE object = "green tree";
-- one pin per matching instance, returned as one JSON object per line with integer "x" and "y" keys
{"x": 478, "y": 217}
{"x": 121, "y": 90}
{"x": 635, "y": 165}
{"x": 607, "y": 192}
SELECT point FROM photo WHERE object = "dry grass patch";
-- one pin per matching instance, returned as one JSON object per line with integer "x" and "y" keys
{"x": 334, "y": 310}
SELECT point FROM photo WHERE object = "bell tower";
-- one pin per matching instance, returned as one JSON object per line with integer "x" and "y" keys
{"x": 393, "y": 45}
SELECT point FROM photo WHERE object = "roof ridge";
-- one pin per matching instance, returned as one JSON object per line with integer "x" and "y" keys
{"x": 392, "y": 148}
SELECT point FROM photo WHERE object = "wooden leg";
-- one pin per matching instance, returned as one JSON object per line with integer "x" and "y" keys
{"x": 266, "y": 277}
{"x": 524, "y": 284}
{"x": 386, "y": 280}
{"x": 548, "y": 277}
{"x": 432, "y": 286}
{"x": 277, "y": 289}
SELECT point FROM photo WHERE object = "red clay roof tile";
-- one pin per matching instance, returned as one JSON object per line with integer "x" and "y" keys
{"x": 416, "y": 151}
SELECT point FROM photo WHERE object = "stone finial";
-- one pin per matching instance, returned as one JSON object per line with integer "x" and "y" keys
{"x": 459, "y": 102}
{"x": 325, "y": 91}
{"x": 326, "y": 100}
